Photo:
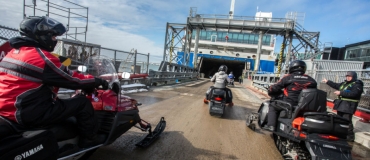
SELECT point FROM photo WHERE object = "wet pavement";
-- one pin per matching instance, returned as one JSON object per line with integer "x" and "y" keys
{"x": 191, "y": 133}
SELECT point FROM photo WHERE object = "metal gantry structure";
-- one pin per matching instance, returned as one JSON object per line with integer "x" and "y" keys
{"x": 298, "y": 42}
{"x": 174, "y": 41}
{"x": 65, "y": 9}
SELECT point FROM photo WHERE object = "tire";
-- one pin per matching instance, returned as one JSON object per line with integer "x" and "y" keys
{"x": 280, "y": 146}
{"x": 283, "y": 149}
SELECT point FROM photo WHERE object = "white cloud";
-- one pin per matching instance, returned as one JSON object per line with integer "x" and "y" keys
{"x": 108, "y": 25}
{"x": 127, "y": 24}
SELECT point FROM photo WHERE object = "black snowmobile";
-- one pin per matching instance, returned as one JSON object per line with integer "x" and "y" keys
{"x": 306, "y": 131}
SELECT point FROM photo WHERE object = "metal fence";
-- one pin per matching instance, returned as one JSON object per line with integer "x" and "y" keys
{"x": 262, "y": 81}
{"x": 79, "y": 51}
{"x": 338, "y": 76}
{"x": 124, "y": 61}
{"x": 7, "y": 33}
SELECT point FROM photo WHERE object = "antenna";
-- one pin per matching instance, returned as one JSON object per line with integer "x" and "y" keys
{"x": 231, "y": 12}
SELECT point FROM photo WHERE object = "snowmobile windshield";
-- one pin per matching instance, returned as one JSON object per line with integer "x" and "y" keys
{"x": 101, "y": 67}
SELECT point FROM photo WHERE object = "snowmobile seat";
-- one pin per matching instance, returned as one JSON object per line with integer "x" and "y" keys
{"x": 310, "y": 100}
{"x": 325, "y": 123}
{"x": 62, "y": 131}
{"x": 6, "y": 128}
{"x": 218, "y": 92}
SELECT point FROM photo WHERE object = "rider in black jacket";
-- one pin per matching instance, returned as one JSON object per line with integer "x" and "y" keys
{"x": 349, "y": 94}
{"x": 292, "y": 83}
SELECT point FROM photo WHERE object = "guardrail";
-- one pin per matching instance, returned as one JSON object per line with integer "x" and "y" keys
{"x": 170, "y": 73}
{"x": 263, "y": 81}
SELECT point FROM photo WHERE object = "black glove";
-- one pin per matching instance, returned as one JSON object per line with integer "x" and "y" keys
{"x": 101, "y": 82}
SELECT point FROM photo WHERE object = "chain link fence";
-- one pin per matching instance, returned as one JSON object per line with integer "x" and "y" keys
{"x": 118, "y": 57}
{"x": 6, "y": 33}
{"x": 78, "y": 52}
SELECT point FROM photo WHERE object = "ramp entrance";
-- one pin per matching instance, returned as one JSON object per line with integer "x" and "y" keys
{"x": 210, "y": 67}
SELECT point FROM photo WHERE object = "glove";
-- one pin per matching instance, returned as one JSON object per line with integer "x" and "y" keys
{"x": 101, "y": 82}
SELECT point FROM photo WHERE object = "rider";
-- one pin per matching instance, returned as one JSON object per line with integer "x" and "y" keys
{"x": 292, "y": 83}
{"x": 219, "y": 78}
{"x": 28, "y": 75}
{"x": 231, "y": 77}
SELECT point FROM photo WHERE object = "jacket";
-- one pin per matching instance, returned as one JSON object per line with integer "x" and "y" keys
{"x": 292, "y": 84}
{"x": 28, "y": 76}
{"x": 349, "y": 93}
{"x": 231, "y": 76}
{"x": 219, "y": 79}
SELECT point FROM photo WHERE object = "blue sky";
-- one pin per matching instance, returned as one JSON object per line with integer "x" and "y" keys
{"x": 140, "y": 24}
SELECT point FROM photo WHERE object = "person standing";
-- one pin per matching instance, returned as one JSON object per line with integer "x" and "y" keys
{"x": 241, "y": 77}
{"x": 349, "y": 94}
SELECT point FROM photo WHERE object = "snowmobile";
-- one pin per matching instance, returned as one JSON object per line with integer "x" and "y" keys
{"x": 305, "y": 131}
{"x": 116, "y": 114}
{"x": 217, "y": 102}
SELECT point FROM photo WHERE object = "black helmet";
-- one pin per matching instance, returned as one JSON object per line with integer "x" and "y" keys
{"x": 297, "y": 66}
{"x": 42, "y": 29}
{"x": 223, "y": 68}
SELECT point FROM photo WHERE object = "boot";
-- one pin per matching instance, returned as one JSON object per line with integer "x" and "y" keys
{"x": 205, "y": 101}
{"x": 231, "y": 104}
{"x": 97, "y": 139}
{"x": 350, "y": 138}
{"x": 269, "y": 128}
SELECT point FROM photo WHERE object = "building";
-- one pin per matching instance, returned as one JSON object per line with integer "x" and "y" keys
{"x": 358, "y": 52}
{"x": 352, "y": 52}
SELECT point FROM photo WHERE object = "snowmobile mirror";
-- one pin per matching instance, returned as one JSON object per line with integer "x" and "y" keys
{"x": 125, "y": 75}
{"x": 82, "y": 69}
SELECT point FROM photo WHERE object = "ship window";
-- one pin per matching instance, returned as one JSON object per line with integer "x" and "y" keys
{"x": 266, "y": 39}
{"x": 203, "y": 35}
{"x": 233, "y": 37}
{"x": 220, "y": 36}
{"x": 209, "y": 35}
{"x": 240, "y": 38}
{"x": 246, "y": 38}
{"x": 251, "y": 39}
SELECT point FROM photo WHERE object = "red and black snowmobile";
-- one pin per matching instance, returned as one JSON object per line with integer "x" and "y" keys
{"x": 116, "y": 114}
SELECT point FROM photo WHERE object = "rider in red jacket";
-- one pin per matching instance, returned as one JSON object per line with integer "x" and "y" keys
{"x": 28, "y": 75}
